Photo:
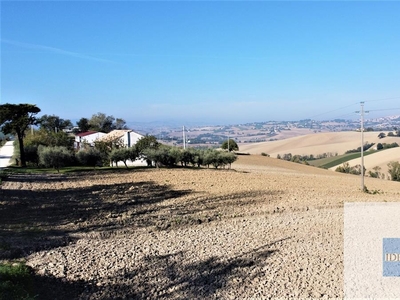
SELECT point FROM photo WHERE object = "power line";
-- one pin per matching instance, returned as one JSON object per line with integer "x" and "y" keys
{"x": 384, "y": 109}
{"x": 356, "y": 103}
{"x": 384, "y": 99}
{"x": 333, "y": 110}
{"x": 341, "y": 116}
{"x": 352, "y": 113}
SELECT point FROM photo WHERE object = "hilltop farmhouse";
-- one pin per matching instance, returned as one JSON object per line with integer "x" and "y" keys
{"x": 126, "y": 138}
{"x": 88, "y": 138}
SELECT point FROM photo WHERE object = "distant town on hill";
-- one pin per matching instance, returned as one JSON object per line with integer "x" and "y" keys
{"x": 200, "y": 135}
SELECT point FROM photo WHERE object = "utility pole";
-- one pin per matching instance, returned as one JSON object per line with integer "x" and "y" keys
{"x": 184, "y": 138}
{"x": 362, "y": 112}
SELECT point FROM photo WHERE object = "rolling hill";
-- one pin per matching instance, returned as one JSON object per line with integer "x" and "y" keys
{"x": 332, "y": 142}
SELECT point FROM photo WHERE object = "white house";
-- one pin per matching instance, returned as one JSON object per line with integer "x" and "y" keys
{"x": 88, "y": 137}
{"x": 128, "y": 138}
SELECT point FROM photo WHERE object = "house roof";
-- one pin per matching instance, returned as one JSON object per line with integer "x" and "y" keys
{"x": 82, "y": 134}
{"x": 114, "y": 135}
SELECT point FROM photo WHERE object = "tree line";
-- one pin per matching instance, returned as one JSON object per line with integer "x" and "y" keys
{"x": 110, "y": 153}
{"x": 51, "y": 146}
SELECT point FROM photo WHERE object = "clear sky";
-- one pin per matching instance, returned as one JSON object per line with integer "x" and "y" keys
{"x": 204, "y": 61}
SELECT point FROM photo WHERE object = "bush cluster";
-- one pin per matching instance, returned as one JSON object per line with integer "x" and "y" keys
{"x": 381, "y": 146}
{"x": 156, "y": 155}
{"x": 345, "y": 168}
{"x": 365, "y": 148}
{"x": 305, "y": 158}
{"x": 376, "y": 173}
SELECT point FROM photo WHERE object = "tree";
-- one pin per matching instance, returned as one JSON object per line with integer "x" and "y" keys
{"x": 146, "y": 142}
{"x": 55, "y": 157}
{"x": 102, "y": 122}
{"x": 381, "y": 135}
{"x": 120, "y": 154}
{"x": 45, "y": 138}
{"x": 233, "y": 146}
{"x": 15, "y": 118}
{"x": 83, "y": 125}
{"x": 89, "y": 157}
{"x": 120, "y": 124}
{"x": 53, "y": 123}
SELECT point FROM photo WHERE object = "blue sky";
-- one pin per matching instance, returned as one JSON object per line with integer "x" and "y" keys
{"x": 204, "y": 61}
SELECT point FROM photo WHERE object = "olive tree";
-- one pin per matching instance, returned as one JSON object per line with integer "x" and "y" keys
{"x": 55, "y": 157}
{"x": 89, "y": 157}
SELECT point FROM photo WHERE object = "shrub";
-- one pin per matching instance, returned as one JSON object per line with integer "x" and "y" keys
{"x": 388, "y": 146}
{"x": 394, "y": 170}
{"x": 55, "y": 157}
{"x": 345, "y": 168}
{"x": 365, "y": 148}
{"x": 265, "y": 154}
{"x": 376, "y": 173}
{"x": 16, "y": 282}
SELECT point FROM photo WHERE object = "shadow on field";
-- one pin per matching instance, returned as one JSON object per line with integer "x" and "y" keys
{"x": 209, "y": 208}
{"x": 33, "y": 220}
{"x": 173, "y": 277}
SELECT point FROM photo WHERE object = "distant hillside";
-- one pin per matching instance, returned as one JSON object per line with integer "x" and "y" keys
{"x": 332, "y": 142}
{"x": 318, "y": 143}
{"x": 380, "y": 159}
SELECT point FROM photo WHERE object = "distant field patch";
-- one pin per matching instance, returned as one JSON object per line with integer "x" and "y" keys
{"x": 330, "y": 162}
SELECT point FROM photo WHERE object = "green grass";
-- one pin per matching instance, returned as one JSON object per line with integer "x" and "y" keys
{"x": 330, "y": 162}
{"x": 16, "y": 281}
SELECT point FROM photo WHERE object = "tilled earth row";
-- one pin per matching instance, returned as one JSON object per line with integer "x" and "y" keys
{"x": 265, "y": 229}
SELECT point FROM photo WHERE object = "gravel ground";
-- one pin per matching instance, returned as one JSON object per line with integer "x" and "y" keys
{"x": 265, "y": 229}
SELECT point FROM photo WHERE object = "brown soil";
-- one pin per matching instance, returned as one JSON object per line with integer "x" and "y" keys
{"x": 266, "y": 228}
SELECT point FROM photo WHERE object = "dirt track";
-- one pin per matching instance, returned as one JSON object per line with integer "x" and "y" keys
{"x": 268, "y": 228}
